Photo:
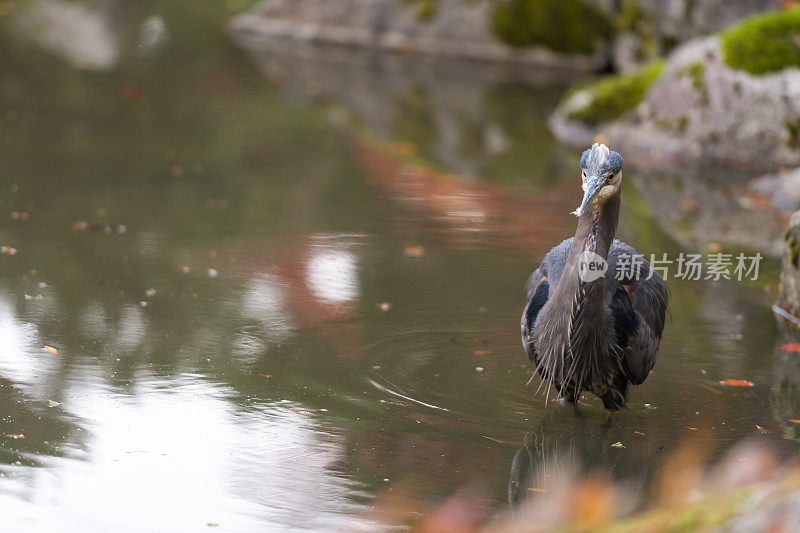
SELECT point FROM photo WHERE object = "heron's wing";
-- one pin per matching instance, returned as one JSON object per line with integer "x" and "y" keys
{"x": 538, "y": 292}
{"x": 639, "y": 308}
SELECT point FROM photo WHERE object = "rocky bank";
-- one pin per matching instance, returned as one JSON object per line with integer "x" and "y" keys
{"x": 564, "y": 34}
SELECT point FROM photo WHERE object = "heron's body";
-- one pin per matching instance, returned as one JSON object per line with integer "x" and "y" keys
{"x": 599, "y": 334}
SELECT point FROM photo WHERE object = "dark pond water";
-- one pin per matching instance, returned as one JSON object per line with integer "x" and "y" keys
{"x": 270, "y": 297}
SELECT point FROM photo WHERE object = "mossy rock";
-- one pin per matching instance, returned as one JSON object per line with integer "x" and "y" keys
{"x": 426, "y": 9}
{"x": 764, "y": 43}
{"x": 613, "y": 96}
{"x": 560, "y": 25}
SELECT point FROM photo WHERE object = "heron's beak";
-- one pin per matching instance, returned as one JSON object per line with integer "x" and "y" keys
{"x": 593, "y": 185}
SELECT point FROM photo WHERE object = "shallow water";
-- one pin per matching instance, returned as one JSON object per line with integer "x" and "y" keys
{"x": 269, "y": 314}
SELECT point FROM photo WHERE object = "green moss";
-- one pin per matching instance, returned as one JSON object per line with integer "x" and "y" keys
{"x": 794, "y": 133}
{"x": 688, "y": 9}
{"x": 764, "y": 43}
{"x": 683, "y": 122}
{"x": 426, "y": 9}
{"x": 696, "y": 72}
{"x": 794, "y": 252}
{"x": 613, "y": 96}
{"x": 560, "y": 25}
{"x": 630, "y": 15}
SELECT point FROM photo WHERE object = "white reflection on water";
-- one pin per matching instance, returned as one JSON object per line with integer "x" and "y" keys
{"x": 332, "y": 271}
{"x": 18, "y": 340}
{"x": 265, "y": 302}
{"x": 178, "y": 455}
{"x": 87, "y": 36}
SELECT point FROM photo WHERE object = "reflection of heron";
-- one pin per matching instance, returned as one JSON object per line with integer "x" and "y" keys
{"x": 565, "y": 449}
{"x": 595, "y": 333}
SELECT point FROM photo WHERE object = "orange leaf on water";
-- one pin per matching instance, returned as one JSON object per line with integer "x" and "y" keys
{"x": 414, "y": 250}
{"x": 794, "y": 421}
{"x": 50, "y": 349}
{"x": 265, "y": 375}
{"x": 131, "y": 92}
{"x": 791, "y": 347}
{"x": 482, "y": 352}
{"x": 736, "y": 383}
{"x": 12, "y": 436}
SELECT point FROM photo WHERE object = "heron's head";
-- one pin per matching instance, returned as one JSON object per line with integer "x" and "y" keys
{"x": 601, "y": 172}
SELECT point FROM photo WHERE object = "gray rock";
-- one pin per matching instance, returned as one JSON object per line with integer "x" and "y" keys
{"x": 460, "y": 29}
{"x": 701, "y": 108}
{"x": 660, "y": 25}
{"x": 790, "y": 273}
{"x": 782, "y": 189}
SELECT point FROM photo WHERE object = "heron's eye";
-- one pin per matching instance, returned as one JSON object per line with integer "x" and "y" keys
{"x": 609, "y": 178}
{"x": 583, "y": 174}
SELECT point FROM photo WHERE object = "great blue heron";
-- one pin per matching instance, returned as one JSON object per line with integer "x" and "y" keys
{"x": 585, "y": 329}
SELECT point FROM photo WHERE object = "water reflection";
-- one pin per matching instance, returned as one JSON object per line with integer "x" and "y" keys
{"x": 570, "y": 445}
{"x": 88, "y": 36}
{"x": 294, "y": 309}
{"x": 332, "y": 272}
{"x": 473, "y": 119}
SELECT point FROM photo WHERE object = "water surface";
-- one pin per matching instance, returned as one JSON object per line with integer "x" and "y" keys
{"x": 280, "y": 308}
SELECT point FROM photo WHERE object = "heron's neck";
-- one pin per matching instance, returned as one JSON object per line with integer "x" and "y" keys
{"x": 597, "y": 227}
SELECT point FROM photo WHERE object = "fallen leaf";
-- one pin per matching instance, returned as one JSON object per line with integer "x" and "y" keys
{"x": 482, "y": 352}
{"x": 11, "y": 436}
{"x": 50, "y": 349}
{"x": 384, "y": 306}
{"x": 8, "y": 250}
{"x": 532, "y": 489}
{"x": 736, "y": 383}
{"x": 6, "y": 8}
{"x": 265, "y": 375}
{"x": 659, "y": 450}
{"x": 762, "y": 430}
{"x": 51, "y": 403}
{"x": 639, "y": 433}
{"x": 478, "y": 369}
{"x": 150, "y": 293}
{"x": 376, "y": 367}
{"x": 131, "y": 92}
{"x": 794, "y": 420}
{"x": 618, "y": 445}
{"x": 692, "y": 428}
{"x": 791, "y": 347}
{"x": 414, "y": 250}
